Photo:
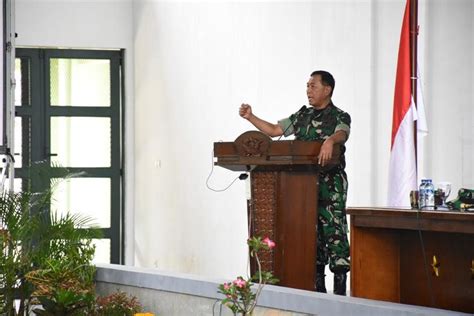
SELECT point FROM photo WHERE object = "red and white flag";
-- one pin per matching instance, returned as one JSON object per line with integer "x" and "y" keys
{"x": 402, "y": 173}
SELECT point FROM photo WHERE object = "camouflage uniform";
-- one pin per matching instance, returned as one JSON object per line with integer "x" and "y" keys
{"x": 311, "y": 124}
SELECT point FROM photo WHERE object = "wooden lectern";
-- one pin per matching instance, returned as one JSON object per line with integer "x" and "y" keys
{"x": 283, "y": 207}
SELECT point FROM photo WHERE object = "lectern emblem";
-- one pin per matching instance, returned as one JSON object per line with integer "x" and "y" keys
{"x": 253, "y": 144}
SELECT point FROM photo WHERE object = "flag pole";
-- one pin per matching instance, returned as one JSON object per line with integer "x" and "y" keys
{"x": 414, "y": 64}
{"x": 402, "y": 168}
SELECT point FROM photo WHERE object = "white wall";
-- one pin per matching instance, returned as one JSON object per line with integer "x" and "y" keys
{"x": 195, "y": 62}
{"x": 74, "y": 23}
{"x": 449, "y": 65}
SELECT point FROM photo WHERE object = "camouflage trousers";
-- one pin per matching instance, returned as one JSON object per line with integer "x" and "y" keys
{"x": 333, "y": 245}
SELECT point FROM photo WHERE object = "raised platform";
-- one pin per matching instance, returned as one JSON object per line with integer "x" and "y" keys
{"x": 168, "y": 294}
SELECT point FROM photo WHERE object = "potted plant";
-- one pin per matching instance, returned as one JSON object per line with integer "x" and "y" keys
{"x": 63, "y": 282}
{"x": 16, "y": 240}
{"x": 117, "y": 304}
{"x": 239, "y": 294}
{"x": 31, "y": 239}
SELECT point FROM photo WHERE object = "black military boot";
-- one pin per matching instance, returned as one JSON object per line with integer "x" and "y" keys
{"x": 340, "y": 283}
{"x": 320, "y": 280}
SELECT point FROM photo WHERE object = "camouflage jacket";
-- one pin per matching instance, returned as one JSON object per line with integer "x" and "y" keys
{"x": 311, "y": 124}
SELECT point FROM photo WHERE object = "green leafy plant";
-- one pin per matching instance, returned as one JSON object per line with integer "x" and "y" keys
{"x": 239, "y": 294}
{"x": 31, "y": 239}
{"x": 62, "y": 288}
{"x": 117, "y": 304}
{"x": 64, "y": 282}
{"x": 16, "y": 242}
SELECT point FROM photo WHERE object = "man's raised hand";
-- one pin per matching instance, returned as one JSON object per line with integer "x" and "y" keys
{"x": 245, "y": 111}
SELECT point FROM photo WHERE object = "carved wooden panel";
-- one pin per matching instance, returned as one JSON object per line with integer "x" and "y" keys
{"x": 252, "y": 144}
{"x": 263, "y": 211}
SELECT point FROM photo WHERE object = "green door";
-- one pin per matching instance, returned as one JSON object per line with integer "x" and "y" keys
{"x": 68, "y": 108}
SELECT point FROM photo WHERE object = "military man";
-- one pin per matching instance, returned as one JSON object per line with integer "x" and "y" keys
{"x": 322, "y": 121}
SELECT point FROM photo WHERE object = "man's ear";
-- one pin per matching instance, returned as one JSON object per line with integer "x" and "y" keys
{"x": 328, "y": 89}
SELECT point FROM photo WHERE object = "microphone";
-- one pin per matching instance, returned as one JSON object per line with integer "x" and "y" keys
{"x": 293, "y": 120}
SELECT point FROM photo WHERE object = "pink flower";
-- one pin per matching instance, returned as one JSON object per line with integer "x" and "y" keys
{"x": 240, "y": 283}
{"x": 226, "y": 286}
{"x": 270, "y": 243}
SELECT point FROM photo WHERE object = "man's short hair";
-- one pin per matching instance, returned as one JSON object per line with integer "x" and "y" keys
{"x": 326, "y": 78}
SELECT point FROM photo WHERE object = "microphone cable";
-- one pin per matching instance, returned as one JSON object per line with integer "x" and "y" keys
{"x": 423, "y": 253}
{"x": 241, "y": 176}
